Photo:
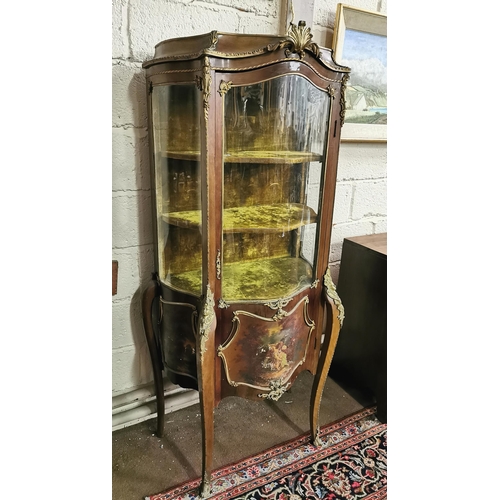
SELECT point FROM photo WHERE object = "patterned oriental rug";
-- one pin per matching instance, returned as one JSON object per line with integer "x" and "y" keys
{"x": 350, "y": 464}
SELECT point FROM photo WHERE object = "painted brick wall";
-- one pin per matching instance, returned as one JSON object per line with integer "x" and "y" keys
{"x": 138, "y": 25}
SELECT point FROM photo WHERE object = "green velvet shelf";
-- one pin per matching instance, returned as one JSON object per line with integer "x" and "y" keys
{"x": 257, "y": 279}
{"x": 250, "y": 156}
{"x": 261, "y": 218}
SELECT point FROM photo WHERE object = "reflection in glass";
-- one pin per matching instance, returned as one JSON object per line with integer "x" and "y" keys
{"x": 275, "y": 135}
{"x": 177, "y": 153}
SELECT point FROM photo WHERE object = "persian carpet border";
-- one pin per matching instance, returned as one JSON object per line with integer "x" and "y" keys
{"x": 278, "y": 461}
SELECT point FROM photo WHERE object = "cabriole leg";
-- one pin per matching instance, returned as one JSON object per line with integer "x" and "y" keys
{"x": 152, "y": 292}
{"x": 335, "y": 318}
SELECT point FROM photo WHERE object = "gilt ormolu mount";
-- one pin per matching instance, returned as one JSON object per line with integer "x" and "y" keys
{"x": 244, "y": 136}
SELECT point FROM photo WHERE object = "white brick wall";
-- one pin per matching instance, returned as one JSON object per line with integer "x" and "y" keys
{"x": 138, "y": 25}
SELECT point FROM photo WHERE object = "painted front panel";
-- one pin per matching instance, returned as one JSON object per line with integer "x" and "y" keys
{"x": 276, "y": 347}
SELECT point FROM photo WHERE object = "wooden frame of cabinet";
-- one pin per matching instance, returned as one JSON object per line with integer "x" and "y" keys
{"x": 238, "y": 298}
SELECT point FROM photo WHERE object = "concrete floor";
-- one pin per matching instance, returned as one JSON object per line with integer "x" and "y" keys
{"x": 144, "y": 464}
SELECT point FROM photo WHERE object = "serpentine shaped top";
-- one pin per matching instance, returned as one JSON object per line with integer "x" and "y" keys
{"x": 296, "y": 43}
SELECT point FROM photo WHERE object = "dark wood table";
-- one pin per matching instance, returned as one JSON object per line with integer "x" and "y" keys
{"x": 360, "y": 360}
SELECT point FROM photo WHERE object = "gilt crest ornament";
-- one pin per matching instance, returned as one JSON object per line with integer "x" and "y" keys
{"x": 298, "y": 41}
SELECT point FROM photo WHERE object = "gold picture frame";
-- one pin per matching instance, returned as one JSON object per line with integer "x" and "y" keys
{"x": 360, "y": 42}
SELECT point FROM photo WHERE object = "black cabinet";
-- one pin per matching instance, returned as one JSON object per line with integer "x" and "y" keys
{"x": 360, "y": 360}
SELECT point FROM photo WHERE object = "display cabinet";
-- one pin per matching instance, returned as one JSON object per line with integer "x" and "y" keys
{"x": 244, "y": 135}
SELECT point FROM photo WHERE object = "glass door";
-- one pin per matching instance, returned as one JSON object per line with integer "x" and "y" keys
{"x": 274, "y": 145}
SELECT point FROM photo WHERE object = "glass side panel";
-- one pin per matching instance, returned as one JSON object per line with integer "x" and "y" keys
{"x": 275, "y": 137}
{"x": 176, "y": 133}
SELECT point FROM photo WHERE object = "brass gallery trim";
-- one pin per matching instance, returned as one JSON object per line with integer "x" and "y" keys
{"x": 190, "y": 70}
{"x": 224, "y": 87}
{"x": 207, "y": 52}
{"x": 287, "y": 59}
{"x": 236, "y": 324}
{"x": 206, "y": 319}
{"x": 199, "y": 83}
{"x": 242, "y": 55}
{"x": 332, "y": 293}
{"x": 257, "y": 66}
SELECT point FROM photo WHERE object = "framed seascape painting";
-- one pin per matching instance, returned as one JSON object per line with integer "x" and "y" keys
{"x": 360, "y": 42}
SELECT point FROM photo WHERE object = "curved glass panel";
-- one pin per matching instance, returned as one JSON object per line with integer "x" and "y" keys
{"x": 275, "y": 137}
{"x": 176, "y": 135}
